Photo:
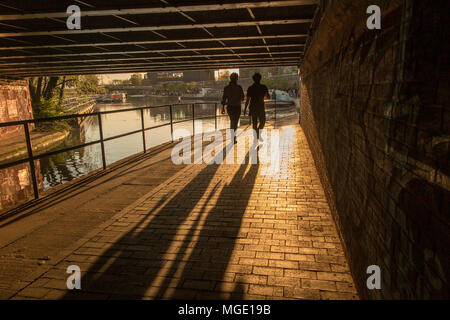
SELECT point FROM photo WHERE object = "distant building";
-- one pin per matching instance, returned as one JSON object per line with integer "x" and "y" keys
{"x": 157, "y": 77}
{"x": 171, "y": 76}
{"x": 198, "y": 75}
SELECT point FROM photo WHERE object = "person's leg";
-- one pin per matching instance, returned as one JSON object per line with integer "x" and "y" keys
{"x": 261, "y": 115}
{"x": 237, "y": 115}
{"x": 233, "y": 121}
{"x": 234, "y": 114}
{"x": 254, "y": 117}
{"x": 262, "y": 119}
{"x": 230, "y": 115}
{"x": 235, "y": 124}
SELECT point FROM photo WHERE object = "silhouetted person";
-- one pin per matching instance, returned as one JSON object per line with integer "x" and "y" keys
{"x": 255, "y": 97}
{"x": 233, "y": 95}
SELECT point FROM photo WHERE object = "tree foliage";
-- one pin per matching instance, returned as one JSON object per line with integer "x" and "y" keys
{"x": 87, "y": 84}
{"x": 136, "y": 79}
{"x": 224, "y": 76}
{"x": 43, "y": 89}
{"x": 280, "y": 82}
{"x": 176, "y": 87}
{"x": 47, "y": 92}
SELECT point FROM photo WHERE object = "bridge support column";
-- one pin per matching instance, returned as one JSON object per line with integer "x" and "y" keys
{"x": 15, "y": 104}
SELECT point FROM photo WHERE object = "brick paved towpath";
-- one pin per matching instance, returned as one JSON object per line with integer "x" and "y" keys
{"x": 239, "y": 231}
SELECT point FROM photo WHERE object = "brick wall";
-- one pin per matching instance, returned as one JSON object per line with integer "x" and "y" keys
{"x": 15, "y": 104}
{"x": 375, "y": 109}
{"x": 15, "y": 186}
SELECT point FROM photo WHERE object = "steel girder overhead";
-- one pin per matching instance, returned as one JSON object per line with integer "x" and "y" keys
{"x": 150, "y": 35}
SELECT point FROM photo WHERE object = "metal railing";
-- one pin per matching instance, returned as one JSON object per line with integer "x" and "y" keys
{"x": 32, "y": 157}
{"x": 74, "y": 104}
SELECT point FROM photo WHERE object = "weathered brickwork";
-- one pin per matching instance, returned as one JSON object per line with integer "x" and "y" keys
{"x": 15, "y": 104}
{"x": 375, "y": 110}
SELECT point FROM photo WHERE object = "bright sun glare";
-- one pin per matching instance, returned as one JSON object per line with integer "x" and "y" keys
{"x": 219, "y": 72}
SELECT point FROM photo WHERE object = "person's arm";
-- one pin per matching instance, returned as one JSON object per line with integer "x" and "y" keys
{"x": 247, "y": 101}
{"x": 267, "y": 93}
{"x": 224, "y": 99}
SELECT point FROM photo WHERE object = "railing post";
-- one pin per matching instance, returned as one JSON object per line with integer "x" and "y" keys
{"x": 31, "y": 160}
{"x": 193, "y": 119}
{"x": 102, "y": 143}
{"x": 171, "y": 122}
{"x": 143, "y": 130}
{"x": 215, "y": 116}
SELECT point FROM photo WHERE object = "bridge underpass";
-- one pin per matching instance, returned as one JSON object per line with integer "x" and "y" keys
{"x": 374, "y": 129}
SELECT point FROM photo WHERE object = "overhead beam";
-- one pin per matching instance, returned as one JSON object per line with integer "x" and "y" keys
{"x": 143, "y": 70}
{"x": 204, "y": 29}
{"x": 125, "y": 60}
{"x": 155, "y": 28}
{"x": 137, "y": 43}
{"x": 167, "y": 9}
{"x": 67, "y": 66}
{"x": 105, "y": 54}
{"x": 163, "y": 64}
{"x": 165, "y": 68}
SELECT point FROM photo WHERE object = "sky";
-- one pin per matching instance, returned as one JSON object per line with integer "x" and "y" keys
{"x": 217, "y": 72}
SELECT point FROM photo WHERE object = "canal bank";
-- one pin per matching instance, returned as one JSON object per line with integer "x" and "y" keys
{"x": 16, "y": 181}
{"x": 15, "y": 147}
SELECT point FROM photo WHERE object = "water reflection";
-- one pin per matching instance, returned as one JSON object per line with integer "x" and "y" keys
{"x": 16, "y": 185}
{"x": 69, "y": 165}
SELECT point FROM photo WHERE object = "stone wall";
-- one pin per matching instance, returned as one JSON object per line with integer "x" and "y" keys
{"x": 15, "y": 104}
{"x": 375, "y": 109}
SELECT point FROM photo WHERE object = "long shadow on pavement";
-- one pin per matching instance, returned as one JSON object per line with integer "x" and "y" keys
{"x": 157, "y": 261}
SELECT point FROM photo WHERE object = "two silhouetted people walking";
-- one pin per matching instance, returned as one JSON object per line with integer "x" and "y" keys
{"x": 233, "y": 95}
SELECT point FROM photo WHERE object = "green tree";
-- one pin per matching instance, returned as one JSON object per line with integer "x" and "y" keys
{"x": 47, "y": 92}
{"x": 192, "y": 87}
{"x": 224, "y": 76}
{"x": 88, "y": 84}
{"x": 136, "y": 79}
{"x": 42, "y": 90}
{"x": 176, "y": 87}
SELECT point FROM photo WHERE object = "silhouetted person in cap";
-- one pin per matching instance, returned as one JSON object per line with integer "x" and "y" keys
{"x": 255, "y": 97}
{"x": 233, "y": 95}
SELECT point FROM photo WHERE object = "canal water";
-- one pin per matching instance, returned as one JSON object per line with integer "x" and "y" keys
{"x": 66, "y": 166}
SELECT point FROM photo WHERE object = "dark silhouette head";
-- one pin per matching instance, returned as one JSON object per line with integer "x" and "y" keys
{"x": 257, "y": 77}
{"x": 234, "y": 77}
